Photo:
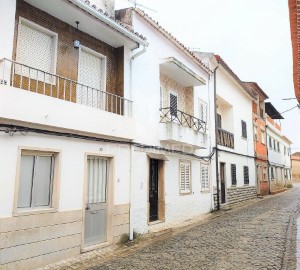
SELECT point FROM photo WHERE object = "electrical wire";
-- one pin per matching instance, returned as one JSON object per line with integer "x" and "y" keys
{"x": 11, "y": 129}
{"x": 283, "y": 112}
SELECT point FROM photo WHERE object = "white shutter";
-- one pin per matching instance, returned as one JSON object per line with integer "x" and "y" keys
{"x": 90, "y": 74}
{"x": 35, "y": 49}
{"x": 185, "y": 177}
{"x": 204, "y": 177}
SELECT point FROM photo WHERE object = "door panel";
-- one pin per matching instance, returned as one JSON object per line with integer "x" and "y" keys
{"x": 96, "y": 201}
{"x": 153, "y": 190}
{"x": 222, "y": 179}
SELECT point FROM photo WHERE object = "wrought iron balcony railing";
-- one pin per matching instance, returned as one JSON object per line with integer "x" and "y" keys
{"x": 171, "y": 115}
{"x": 225, "y": 138}
{"x": 34, "y": 80}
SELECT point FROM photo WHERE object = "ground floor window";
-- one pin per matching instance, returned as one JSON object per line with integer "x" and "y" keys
{"x": 36, "y": 180}
{"x": 204, "y": 178}
{"x": 246, "y": 175}
{"x": 185, "y": 177}
{"x": 233, "y": 174}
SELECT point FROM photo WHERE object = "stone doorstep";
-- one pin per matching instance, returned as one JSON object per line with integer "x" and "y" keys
{"x": 97, "y": 257}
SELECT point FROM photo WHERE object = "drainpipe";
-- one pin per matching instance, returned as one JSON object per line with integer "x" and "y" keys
{"x": 269, "y": 180}
{"x": 131, "y": 191}
{"x": 216, "y": 140}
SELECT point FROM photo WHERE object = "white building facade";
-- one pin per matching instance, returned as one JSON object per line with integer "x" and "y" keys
{"x": 279, "y": 151}
{"x": 173, "y": 101}
{"x": 66, "y": 131}
{"x": 236, "y": 166}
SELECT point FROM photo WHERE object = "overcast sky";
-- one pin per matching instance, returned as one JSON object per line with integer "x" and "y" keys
{"x": 253, "y": 37}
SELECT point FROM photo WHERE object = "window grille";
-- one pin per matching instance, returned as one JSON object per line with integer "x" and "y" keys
{"x": 233, "y": 174}
{"x": 246, "y": 175}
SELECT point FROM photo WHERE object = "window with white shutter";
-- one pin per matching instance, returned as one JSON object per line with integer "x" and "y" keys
{"x": 185, "y": 177}
{"x": 173, "y": 104}
{"x": 36, "y": 48}
{"x": 204, "y": 178}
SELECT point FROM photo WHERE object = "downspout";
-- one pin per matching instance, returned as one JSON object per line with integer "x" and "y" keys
{"x": 269, "y": 180}
{"x": 132, "y": 150}
{"x": 216, "y": 140}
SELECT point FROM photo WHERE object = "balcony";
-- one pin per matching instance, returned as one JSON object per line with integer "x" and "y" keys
{"x": 182, "y": 129}
{"x": 225, "y": 138}
{"x": 34, "y": 96}
{"x": 40, "y": 82}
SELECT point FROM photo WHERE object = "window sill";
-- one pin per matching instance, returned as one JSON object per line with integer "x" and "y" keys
{"x": 206, "y": 191}
{"x": 244, "y": 138}
{"x": 29, "y": 212}
{"x": 185, "y": 193}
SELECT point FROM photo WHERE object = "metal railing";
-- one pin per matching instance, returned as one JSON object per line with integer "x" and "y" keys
{"x": 225, "y": 138}
{"x": 172, "y": 115}
{"x": 31, "y": 79}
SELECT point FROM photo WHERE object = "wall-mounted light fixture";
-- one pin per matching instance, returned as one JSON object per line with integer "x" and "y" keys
{"x": 76, "y": 42}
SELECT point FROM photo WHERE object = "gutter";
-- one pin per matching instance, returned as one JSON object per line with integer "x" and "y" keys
{"x": 110, "y": 22}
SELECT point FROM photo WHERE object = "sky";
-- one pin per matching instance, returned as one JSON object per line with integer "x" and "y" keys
{"x": 253, "y": 37}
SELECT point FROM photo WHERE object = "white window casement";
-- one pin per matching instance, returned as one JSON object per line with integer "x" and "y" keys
{"x": 185, "y": 177}
{"x": 204, "y": 178}
{"x": 37, "y": 181}
{"x": 37, "y": 49}
{"x": 92, "y": 77}
{"x": 173, "y": 104}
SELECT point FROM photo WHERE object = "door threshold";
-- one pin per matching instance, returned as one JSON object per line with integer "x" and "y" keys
{"x": 155, "y": 222}
{"x": 96, "y": 246}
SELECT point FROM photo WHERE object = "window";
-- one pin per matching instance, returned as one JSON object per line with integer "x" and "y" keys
{"x": 278, "y": 147}
{"x": 36, "y": 180}
{"x": 272, "y": 173}
{"x": 204, "y": 178}
{"x": 263, "y": 137}
{"x": 270, "y": 142}
{"x": 255, "y": 133}
{"x": 185, "y": 177}
{"x": 274, "y": 144}
{"x": 173, "y": 104}
{"x": 233, "y": 174}
{"x": 219, "y": 121}
{"x": 246, "y": 175}
{"x": 37, "y": 47}
{"x": 203, "y": 111}
{"x": 264, "y": 174}
{"x": 284, "y": 150}
{"x": 244, "y": 129}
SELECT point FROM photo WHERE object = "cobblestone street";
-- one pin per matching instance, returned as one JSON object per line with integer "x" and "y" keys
{"x": 257, "y": 236}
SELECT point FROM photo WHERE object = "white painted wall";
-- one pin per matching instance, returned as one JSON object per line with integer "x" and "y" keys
{"x": 72, "y": 168}
{"x": 146, "y": 96}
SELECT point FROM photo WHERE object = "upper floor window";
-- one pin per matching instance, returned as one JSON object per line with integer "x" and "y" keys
{"x": 272, "y": 173}
{"x": 263, "y": 137}
{"x": 202, "y": 111}
{"x": 36, "y": 48}
{"x": 244, "y": 129}
{"x": 173, "y": 104}
{"x": 270, "y": 142}
{"x": 219, "y": 121}
{"x": 278, "y": 146}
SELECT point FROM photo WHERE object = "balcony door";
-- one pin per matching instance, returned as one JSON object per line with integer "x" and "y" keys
{"x": 91, "y": 76}
{"x": 223, "y": 183}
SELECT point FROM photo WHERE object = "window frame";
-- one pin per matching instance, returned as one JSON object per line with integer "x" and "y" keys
{"x": 185, "y": 192}
{"x": 205, "y": 189}
{"x": 244, "y": 129}
{"x": 205, "y": 114}
{"x": 246, "y": 183}
{"x": 32, "y": 151}
{"x": 46, "y": 31}
{"x": 231, "y": 167}
{"x": 263, "y": 136}
{"x": 175, "y": 115}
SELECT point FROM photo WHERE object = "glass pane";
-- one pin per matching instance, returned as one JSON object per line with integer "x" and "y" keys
{"x": 25, "y": 183}
{"x": 42, "y": 181}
